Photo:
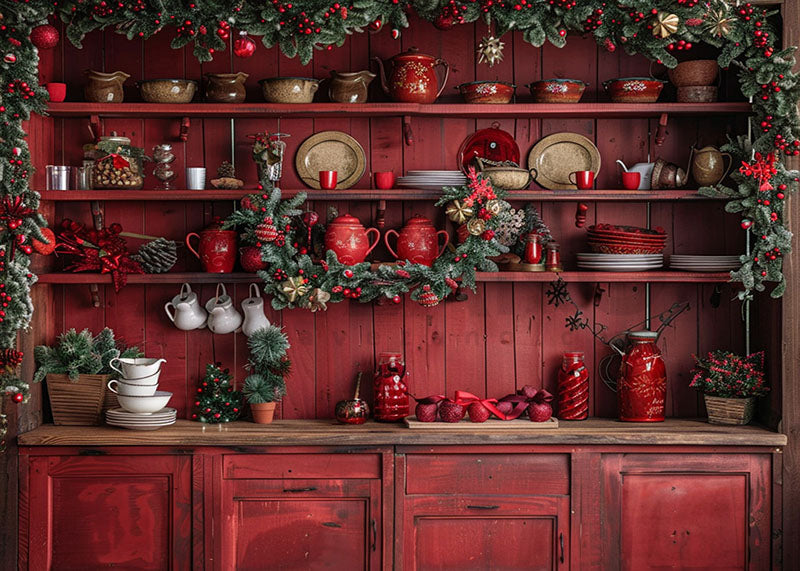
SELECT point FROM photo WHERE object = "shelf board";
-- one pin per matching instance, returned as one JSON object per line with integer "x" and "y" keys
{"x": 573, "y": 277}
{"x": 372, "y": 194}
{"x": 320, "y": 110}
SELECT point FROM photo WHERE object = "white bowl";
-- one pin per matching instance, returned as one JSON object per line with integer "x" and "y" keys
{"x": 148, "y": 380}
{"x": 144, "y": 404}
{"x": 130, "y": 389}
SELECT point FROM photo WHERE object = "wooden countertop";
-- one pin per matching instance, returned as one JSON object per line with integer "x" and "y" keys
{"x": 673, "y": 432}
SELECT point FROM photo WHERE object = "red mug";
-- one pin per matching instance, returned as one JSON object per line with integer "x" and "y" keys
{"x": 384, "y": 180}
{"x": 57, "y": 91}
{"x": 584, "y": 180}
{"x": 216, "y": 249}
{"x": 631, "y": 180}
{"x": 327, "y": 180}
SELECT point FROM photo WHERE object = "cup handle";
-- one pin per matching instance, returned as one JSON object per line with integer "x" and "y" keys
{"x": 386, "y": 241}
{"x": 377, "y": 239}
{"x": 188, "y": 245}
{"x": 727, "y": 170}
{"x": 533, "y": 173}
{"x": 257, "y": 290}
{"x": 446, "y": 75}
{"x": 446, "y": 241}
{"x": 186, "y": 289}
{"x": 224, "y": 291}
{"x": 112, "y": 389}
{"x": 169, "y": 314}
{"x": 571, "y": 177}
{"x": 111, "y": 364}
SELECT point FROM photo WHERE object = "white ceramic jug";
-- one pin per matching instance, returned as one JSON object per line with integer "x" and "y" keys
{"x": 187, "y": 312}
{"x": 253, "y": 308}
{"x": 222, "y": 315}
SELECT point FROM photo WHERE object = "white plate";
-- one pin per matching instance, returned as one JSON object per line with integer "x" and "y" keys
{"x": 139, "y": 427}
{"x": 611, "y": 257}
{"x": 122, "y": 414}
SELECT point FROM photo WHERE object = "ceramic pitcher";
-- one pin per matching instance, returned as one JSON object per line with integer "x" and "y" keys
{"x": 185, "y": 310}
{"x": 417, "y": 242}
{"x": 707, "y": 165}
{"x": 104, "y": 87}
{"x": 222, "y": 315}
{"x": 350, "y": 87}
{"x": 253, "y": 308}
{"x": 225, "y": 87}
{"x": 412, "y": 78}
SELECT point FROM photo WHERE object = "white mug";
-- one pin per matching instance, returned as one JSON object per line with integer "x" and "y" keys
{"x": 253, "y": 307}
{"x": 136, "y": 368}
{"x": 188, "y": 314}
{"x": 127, "y": 389}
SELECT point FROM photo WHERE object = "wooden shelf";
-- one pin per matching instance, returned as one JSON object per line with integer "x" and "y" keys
{"x": 320, "y": 110}
{"x": 373, "y": 194}
{"x": 546, "y": 277}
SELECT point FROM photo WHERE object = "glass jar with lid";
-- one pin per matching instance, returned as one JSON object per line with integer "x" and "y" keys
{"x": 118, "y": 164}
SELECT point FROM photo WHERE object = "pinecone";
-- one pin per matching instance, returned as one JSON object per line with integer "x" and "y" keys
{"x": 226, "y": 170}
{"x": 266, "y": 232}
{"x": 158, "y": 256}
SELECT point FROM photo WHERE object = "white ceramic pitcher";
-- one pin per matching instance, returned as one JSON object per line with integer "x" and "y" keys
{"x": 253, "y": 308}
{"x": 222, "y": 315}
{"x": 187, "y": 313}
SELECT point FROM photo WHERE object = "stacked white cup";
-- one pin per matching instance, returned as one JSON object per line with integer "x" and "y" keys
{"x": 137, "y": 388}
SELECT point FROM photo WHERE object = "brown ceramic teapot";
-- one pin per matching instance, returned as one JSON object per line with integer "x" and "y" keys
{"x": 707, "y": 165}
{"x": 349, "y": 240}
{"x": 418, "y": 241}
{"x": 413, "y": 77}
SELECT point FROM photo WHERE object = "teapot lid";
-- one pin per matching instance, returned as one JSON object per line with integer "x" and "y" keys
{"x": 413, "y": 52}
{"x": 643, "y": 335}
{"x": 345, "y": 219}
{"x": 418, "y": 220}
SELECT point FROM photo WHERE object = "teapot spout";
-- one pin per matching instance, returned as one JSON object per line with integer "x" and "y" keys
{"x": 382, "y": 74}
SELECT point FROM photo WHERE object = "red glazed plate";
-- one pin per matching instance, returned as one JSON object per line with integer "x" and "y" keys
{"x": 634, "y": 231}
{"x": 625, "y": 239}
{"x": 492, "y": 143}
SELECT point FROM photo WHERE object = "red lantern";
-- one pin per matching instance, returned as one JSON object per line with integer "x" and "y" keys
{"x": 244, "y": 46}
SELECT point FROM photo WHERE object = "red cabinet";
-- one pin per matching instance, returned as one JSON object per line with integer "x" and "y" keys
{"x": 84, "y": 513}
{"x": 700, "y": 511}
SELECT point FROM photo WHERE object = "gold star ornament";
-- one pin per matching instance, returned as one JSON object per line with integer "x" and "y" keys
{"x": 490, "y": 50}
{"x": 665, "y": 24}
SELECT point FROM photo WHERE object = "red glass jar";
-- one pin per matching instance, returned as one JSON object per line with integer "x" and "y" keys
{"x": 573, "y": 388}
{"x": 533, "y": 248}
{"x": 391, "y": 390}
{"x": 553, "y": 257}
{"x": 642, "y": 382}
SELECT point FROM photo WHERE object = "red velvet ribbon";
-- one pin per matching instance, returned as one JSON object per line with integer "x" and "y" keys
{"x": 119, "y": 161}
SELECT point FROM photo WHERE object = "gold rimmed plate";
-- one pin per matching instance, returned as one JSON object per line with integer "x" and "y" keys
{"x": 558, "y": 155}
{"x": 331, "y": 151}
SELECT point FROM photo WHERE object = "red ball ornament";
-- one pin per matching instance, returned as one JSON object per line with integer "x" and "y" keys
{"x": 244, "y": 46}
{"x": 376, "y": 25}
{"x": 10, "y": 58}
{"x": 18, "y": 397}
{"x": 746, "y": 224}
{"x": 395, "y": 33}
{"x": 45, "y": 37}
{"x": 444, "y": 22}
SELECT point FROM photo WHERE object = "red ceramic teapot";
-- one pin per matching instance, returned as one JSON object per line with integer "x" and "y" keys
{"x": 413, "y": 77}
{"x": 418, "y": 241}
{"x": 347, "y": 237}
{"x": 216, "y": 249}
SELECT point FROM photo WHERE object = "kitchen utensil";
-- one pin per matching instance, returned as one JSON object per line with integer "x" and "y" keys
{"x": 330, "y": 150}
{"x": 187, "y": 313}
{"x": 222, "y": 315}
{"x": 645, "y": 171}
{"x": 707, "y": 165}
{"x": 253, "y": 308}
{"x": 557, "y": 90}
{"x": 412, "y": 78}
{"x": 487, "y": 91}
{"x": 384, "y": 180}
{"x": 417, "y": 241}
{"x": 584, "y": 180}
{"x": 634, "y": 89}
{"x": 347, "y": 237}
{"x": 289, "y": 89}
{"x": 350, "y": 87}
{"x": 195, "y": 178}
{"x": 631, "y": 180}
{"x": 130, "y": 389}
{"x": 556, "y": 156}
{"x": 217, "y": 249}
{"x": 104, "y": 87}
{"x": 144, "y": 404}
{"x": 58, "y": 177}
{"x": 225, "y": 87}
{"x": 327, "y": 180}
{"x": 492, "y": 143}
{"x": 136, "y": 368}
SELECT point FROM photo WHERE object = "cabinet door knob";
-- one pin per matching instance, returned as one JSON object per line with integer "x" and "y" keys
{"x": 298, "y": 490}
{"x": 561, "y": 543}
{"x": 374, "y": 534}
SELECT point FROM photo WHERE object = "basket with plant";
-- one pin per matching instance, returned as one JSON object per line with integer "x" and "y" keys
{"x": 730, "y": 384}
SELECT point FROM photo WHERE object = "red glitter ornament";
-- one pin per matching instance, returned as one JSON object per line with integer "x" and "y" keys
{"x": 244, "y": 46}
{"x": 45, "y": 37}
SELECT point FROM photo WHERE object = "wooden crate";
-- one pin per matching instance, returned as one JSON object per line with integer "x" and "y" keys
{"x": 77, "y": 403}
{"x": 729, "y": 410}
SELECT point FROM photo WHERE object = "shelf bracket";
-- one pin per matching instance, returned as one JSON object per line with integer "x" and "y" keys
{"x": 184, "y": 136}
{"x": 580, "y": 215}
{"x": 408, "y": 134}
{"x": 95, "y": 291}
{"x": 380, "y": 217}
{"x": 598, "y": 294}
{"x": 94, "y": 127}
{"x": 661, "y": 132}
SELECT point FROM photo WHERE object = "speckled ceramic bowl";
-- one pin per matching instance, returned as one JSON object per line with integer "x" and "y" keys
{"x": 634, "y": 89}
{"x": 557, "y": 90}
{"x": 509, "y": 178}
{"x": 487, "y": 91}
{"x": 167, "y": 90}
{"x": 289, "y": 89}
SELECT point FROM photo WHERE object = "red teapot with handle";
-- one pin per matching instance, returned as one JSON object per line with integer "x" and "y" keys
{"x": 216, "y": 248}
{"x": 413, "y": 77}
{"x": 347, "y": 237}
{"x": 418, "y": 241}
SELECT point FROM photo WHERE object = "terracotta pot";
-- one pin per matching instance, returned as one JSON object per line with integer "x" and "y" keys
{"x": 642, "y": 382}
{"x": 250, "y": 259}
{"x": 216, "y": 249}
{"x": 350, "y": 87}
{"x": 487, "y": 91}
{"x": 104, "y": 87}
{"x": 697, "y": 72}
{"x": 225, "y": 87}
{"x": 413, "y": 77}
{"x": 557, "y": 90}
{"x": 634, "y": 89}
{"x": 417, "y": 242}
{"x": 263, "y": 412}
{"x": 347, "y": 237}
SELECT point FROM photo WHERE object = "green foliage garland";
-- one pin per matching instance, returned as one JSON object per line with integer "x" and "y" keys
{"x": 742, "y": 32}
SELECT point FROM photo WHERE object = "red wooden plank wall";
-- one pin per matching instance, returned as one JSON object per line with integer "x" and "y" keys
{"x": 503, "y": 337}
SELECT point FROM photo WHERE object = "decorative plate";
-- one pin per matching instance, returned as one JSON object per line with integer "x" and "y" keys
{"x": 492, "y": 143}
{"x": 558, "y": 155}
{"x": 334, "y": 151}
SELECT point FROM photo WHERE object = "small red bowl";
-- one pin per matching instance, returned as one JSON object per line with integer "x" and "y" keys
{"x": 487, "y": 91}
{"x": 56, "y": 91}
{"x": 634, "y": 89}
{"x": 557, "y": 90}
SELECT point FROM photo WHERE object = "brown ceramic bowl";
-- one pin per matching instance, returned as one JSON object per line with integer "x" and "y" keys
{"x": 508, "y": 178}
{"x": 697, "y": 72}
{"x": 289, "y": 89}
{"x": 634, "y": 89}
{"x": 487, "y": 91}
{"x": 557, "y": 90}
{"x": 697, "y": 94}
{"x": 167, "y": 90}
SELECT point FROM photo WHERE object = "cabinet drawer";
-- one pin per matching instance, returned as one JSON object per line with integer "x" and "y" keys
{"x": 286, "y": 466}
{"x": 528, "y": 474}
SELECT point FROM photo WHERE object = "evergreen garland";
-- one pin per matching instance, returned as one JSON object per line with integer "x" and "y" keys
{"x": 216, "y": 400}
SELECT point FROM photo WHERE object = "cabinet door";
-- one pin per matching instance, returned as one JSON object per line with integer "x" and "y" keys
{"x": 127, "y": 512}
{"x": 301, "y": 524}
{"x": 698, "y": 511}
{"x": 486, "y": 532}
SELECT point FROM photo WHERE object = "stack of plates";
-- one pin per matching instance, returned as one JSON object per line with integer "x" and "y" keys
{"x": 432, "y": 180}
{"x": 704, "y": 263}
{"x": 138, "y": 421}
{"x": 620, "y": 262}
{"x": 610, "y": 239}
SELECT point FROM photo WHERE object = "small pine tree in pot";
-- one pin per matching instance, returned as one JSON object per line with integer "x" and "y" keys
{"x": 269, "y": 366}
